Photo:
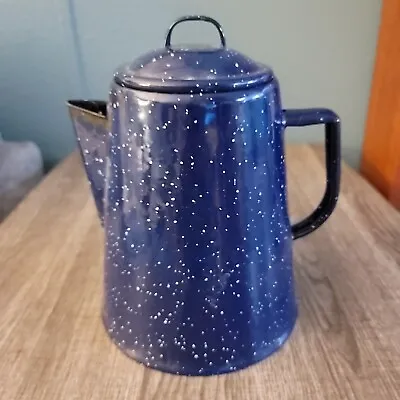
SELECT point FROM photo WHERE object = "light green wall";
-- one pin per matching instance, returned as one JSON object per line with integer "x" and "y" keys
{"x": 322, "y": 52}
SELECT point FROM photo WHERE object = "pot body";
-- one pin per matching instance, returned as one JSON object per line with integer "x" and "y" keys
{"x": 198, "y": 260}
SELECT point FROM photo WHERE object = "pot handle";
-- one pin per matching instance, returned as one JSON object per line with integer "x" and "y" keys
{"x": 195, "y": 18}
{"x": 314, "y": 116}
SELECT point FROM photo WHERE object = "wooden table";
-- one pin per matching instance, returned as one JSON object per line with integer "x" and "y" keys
{"x": 346, "y": 344}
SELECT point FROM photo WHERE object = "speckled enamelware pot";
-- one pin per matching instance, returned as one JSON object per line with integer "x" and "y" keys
{"x": 190, "y": 185}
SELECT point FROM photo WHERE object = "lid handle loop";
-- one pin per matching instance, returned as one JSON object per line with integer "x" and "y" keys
{"x": 195, "y": 18}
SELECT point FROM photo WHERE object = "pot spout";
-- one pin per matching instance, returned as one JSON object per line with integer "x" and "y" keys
{"x": 90, "y": 123}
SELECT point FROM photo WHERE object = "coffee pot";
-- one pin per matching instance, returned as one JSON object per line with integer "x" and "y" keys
{"x": 187, "y": 168}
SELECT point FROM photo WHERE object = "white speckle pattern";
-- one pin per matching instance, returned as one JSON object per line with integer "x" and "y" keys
{"x": 198, "y": 242}
{"x": 193, "y": 72}
{"x": 198, "y": 276}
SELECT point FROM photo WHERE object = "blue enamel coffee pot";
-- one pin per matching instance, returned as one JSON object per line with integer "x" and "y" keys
{"x": 186, "y": 164}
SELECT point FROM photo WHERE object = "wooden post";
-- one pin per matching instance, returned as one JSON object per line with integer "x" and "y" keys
{"x": 380, "y": 162}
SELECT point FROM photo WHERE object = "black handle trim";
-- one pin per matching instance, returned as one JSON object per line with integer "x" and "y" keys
{"x": 314, "y": 116}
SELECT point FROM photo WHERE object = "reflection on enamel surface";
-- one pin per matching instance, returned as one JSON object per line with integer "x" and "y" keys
{"x": 198, "y": 242}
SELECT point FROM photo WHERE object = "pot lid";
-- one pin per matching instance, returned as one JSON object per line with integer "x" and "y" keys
{"x": 193, "y": 70}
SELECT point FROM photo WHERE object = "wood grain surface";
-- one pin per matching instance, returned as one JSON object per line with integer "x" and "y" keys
{"x": 346, "y": 344}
